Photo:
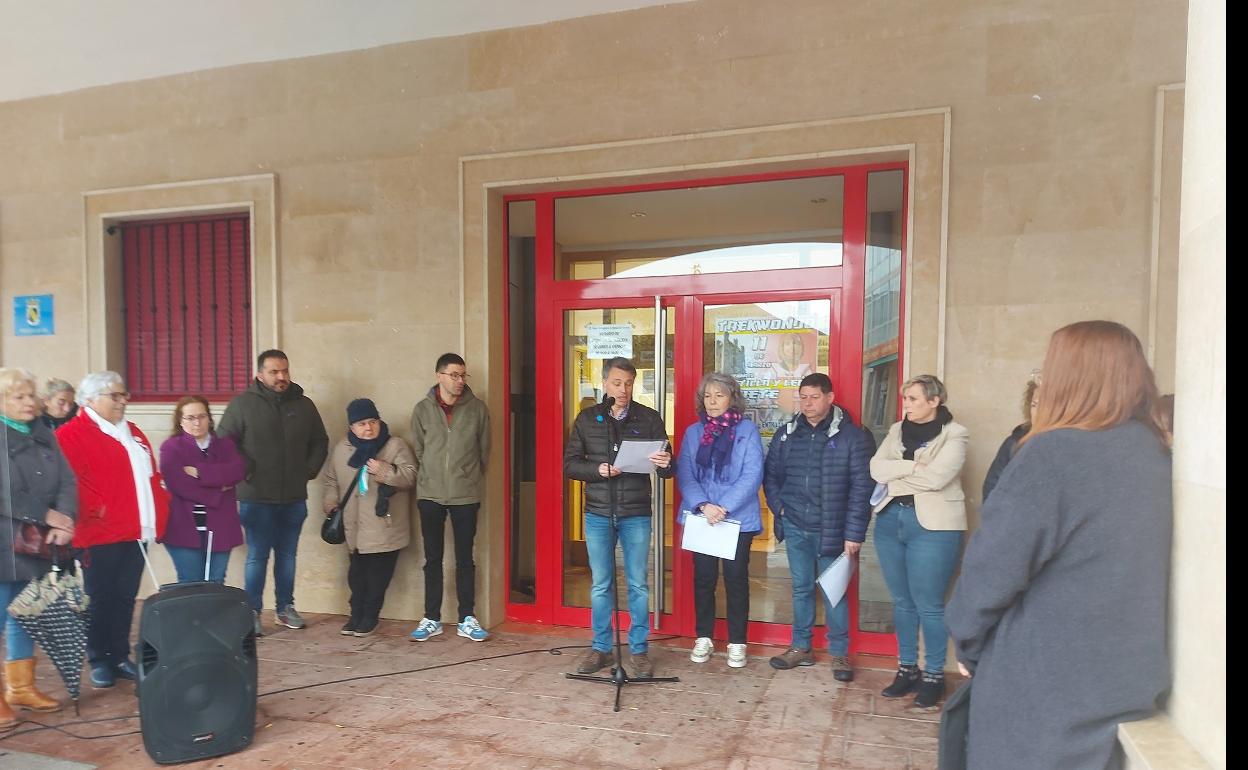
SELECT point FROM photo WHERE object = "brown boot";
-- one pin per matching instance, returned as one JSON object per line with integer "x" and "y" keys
{"x": 8, "y": 720}
{"x": 19, "y": 687}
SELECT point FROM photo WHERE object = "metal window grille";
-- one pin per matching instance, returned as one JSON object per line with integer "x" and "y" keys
{"x": 187, "y": 306}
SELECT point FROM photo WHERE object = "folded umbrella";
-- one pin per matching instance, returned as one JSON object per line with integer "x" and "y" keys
{"x": 53, "y": 610}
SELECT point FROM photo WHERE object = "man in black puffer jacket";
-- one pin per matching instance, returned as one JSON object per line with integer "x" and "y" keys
{"x": 817, "y": 480}
{"x": 592, "y": 446}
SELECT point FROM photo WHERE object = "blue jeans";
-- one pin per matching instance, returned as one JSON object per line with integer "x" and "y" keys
{"x": 917, "y": 564}
{"x": 634, "y": 538}
{"x": 805, "y": 566}
{"x": 189, "y": 564}
{"x": 18, "y": 644}
{"x": 272, "y": 527}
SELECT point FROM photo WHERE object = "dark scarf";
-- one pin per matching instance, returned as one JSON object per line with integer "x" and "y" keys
{"x": 715, "y": 446}
{"x": 367, "y": 450}
{"x": 55, "y": 422}
{"x": 915, "y": 435}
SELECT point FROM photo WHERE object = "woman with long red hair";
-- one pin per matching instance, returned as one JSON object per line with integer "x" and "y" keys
{"x": 1060, "y": 610}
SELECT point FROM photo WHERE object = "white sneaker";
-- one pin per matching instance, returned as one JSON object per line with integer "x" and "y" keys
{"x": 736, "y": 656}
{"x": 702, "y": 650}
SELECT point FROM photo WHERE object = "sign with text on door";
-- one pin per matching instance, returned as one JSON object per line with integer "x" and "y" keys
{"x": 769, "y": 357}
{"x": 609, "y": 340}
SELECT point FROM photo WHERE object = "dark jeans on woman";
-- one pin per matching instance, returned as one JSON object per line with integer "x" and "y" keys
{"x": 433, "y": 530}
{"x": 736, "y": 586}
{"x": 111, "y": 579}
{"x": 368, "y": 577}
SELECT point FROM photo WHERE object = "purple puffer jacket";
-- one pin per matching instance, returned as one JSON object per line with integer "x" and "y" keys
{"x": 219, "y": 471}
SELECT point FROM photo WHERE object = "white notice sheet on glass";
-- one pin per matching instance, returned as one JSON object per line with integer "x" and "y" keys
{"x": 718, "y": 540}
{"x": 634, "y": 456}
{"x": 835, "y": 579}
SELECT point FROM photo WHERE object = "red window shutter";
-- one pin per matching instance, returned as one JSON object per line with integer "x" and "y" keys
{"x": 187, "y": 303}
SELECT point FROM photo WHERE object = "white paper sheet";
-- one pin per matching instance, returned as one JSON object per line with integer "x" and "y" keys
{"x": 879, "y": 493}
{"x": 835, "y": 579}
{"x": 718, "y": 540}
{"x": 634, "y": 456}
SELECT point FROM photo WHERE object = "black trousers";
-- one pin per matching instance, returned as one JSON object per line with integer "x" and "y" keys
{"x": 736, "y": 585}
{"x": 368, "y": 576}
{"x": 111, "y": 579}
{"x": 464, "y": 529}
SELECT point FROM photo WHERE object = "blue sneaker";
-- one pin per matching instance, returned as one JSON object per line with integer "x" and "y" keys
{"x": 426, "y": 629}
{"x": 102, "y": 676}
{"x": 126, "y": 670}
{"x": 469, "y": 628}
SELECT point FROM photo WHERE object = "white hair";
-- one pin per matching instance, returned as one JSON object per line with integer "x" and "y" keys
{"x": 95, "y": 385}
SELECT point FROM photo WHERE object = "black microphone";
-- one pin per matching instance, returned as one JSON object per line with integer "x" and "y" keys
{"x": 607, "y": 403}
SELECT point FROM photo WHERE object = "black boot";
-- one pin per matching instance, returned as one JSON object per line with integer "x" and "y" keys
{"x": 904, "y": 683}
{"x": 348, "y": 629}
{"x": 931, "y": 690}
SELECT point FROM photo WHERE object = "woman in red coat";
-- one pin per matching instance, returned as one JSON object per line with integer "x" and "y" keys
{"x": 122, "y": 504}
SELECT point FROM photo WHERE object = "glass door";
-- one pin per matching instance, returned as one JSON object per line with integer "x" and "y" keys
{"x": 646, "y": 336}
{"x": 768, "y": 347}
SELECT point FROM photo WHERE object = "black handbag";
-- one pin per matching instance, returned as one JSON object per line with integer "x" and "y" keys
{"x": 955, "y": 722}
{"x": 332, "y": 529}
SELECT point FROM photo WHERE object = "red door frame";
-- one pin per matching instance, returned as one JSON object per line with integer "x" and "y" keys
{"x": 843, "y": 285}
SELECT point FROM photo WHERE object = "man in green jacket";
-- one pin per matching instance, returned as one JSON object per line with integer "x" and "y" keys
{"x": 451, "y": 441}
{"x": 281, "y": 436}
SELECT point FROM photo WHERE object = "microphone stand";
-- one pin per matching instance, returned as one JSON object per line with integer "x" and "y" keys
{"x": 619, "y": 676}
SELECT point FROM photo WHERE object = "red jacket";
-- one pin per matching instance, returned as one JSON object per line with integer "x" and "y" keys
{"x": 108, "y": 509}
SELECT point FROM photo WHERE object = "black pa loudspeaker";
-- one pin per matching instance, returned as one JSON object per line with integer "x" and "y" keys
{"x": 197, "y": 672}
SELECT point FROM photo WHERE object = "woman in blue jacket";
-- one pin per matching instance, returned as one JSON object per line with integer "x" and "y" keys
{"x": 719, "y": 472}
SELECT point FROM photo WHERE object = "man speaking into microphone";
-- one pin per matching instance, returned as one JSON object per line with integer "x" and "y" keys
{"x": 591, "y": 448}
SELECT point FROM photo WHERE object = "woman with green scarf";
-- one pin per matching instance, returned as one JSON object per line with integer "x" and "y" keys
{"x": 37, "y": 490}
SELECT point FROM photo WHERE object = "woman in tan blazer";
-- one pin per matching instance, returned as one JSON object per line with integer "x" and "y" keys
{"x": 379, "y": 469}
{"x": 920, "y": 517}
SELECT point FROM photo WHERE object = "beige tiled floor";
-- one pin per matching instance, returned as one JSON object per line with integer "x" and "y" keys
{"x": 518, "y": 711}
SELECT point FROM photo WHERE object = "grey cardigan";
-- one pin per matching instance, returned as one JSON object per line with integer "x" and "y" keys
{"x": 36, "y": 477}
{"x": 1060, "y": 609}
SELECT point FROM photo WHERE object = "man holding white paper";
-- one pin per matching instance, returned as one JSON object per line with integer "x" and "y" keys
{"x": 817, "y": 481}
{"x": 720, "y": 470}
{"x": 589, "y": 456}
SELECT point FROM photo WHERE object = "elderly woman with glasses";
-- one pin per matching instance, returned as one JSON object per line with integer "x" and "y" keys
{"x": 201, "y": 470}
{"x": 38, "y": 495}
{"x": 122, "y": 504}
{"x": 719, "y": 473}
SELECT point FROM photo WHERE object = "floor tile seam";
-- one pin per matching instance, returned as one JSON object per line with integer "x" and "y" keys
{"x": 321, "y": 664}
{"x": 417, "y": 700}
{"x": 900, "y": 719}
{"x": 475, "y": 714}
{"x": 704, "y": 716}
{"x": 877, "y": 745}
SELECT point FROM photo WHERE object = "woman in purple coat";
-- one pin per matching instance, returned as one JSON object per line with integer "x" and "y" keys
{"x": 200, "y": 472}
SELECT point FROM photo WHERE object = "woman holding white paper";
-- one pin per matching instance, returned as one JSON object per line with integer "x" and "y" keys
{"x": 719, "y": 472}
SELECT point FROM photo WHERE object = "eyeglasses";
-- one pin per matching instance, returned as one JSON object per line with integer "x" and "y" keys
{"x": 119, "y": 398}
{"x": 194, "y": 417}
{"x": 455, "y": 376}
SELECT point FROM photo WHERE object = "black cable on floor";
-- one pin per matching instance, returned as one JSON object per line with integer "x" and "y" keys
{"x": 60, "y": 727}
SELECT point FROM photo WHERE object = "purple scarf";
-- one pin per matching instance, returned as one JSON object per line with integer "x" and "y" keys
{"x": 715, "y": 446}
